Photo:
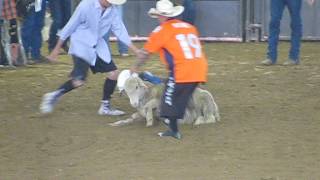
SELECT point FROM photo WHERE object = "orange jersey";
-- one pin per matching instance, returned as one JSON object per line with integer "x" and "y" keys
{"x": 179, "y": 47}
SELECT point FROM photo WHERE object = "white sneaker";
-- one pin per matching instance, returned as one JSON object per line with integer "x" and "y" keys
{"x": 291, "y": 62}
{"x": 106, "y": 109}
{"x": 124, "y": 55}
{"x": 267, "y": 62}
{"x": 48, "y": 102}
{"x": 169, "y": 133}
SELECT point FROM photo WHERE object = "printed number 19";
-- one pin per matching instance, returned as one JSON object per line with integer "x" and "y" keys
{"x": 189, "y": 42}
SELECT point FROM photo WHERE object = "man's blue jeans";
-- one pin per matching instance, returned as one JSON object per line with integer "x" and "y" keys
{"x": 189, "y": 14}
{"x": 60, "y": 14}
{"x": 2, "y": 55}
{"x": 277, "y": 8}
{"x": 31, "y": 32}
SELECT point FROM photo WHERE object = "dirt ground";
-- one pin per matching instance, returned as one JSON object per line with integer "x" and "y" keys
{"x": 269, "y": 128}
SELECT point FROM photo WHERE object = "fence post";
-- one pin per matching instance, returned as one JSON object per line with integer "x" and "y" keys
{"x": 244, "y": 20}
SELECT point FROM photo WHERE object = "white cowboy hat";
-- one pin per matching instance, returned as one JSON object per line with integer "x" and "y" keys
{"x": 123, "y": 76}
{"x": 165, "y": 8}
{"x": 117, "y": 2}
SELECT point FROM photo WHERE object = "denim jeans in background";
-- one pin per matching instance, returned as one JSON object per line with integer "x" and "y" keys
{"x": 122, "y": 48}
{"x": 2, "y": 53}
{"x": 60, "y": 14}
{"x": 189, "y": 14}
{"x": 277, "y": 8}
{"x": 31, "y": 32}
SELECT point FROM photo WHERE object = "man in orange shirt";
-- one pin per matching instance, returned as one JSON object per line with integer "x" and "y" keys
{"x": 180, "y": 50}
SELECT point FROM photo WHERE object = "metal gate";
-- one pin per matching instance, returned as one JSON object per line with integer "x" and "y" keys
{"x": 215, "y": 19}
{"x": 226, "y": 20}
{"x": 258, "y": 12}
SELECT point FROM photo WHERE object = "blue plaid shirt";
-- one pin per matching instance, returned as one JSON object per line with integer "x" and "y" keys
{"x": 1, "y": 5}
{"x": 87, "y": 27}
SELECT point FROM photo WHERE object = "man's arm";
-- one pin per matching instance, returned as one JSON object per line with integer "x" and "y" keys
{"x": 66, "y": 32}
{"x": 75, "y": 20}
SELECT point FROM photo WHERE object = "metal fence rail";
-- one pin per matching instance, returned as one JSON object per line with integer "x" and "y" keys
{"x": 230, "y": 20}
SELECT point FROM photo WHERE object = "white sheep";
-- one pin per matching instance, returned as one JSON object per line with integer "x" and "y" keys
{"x": 201, "y": 109}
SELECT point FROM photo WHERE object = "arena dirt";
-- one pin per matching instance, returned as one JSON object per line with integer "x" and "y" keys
{"x": 269, "y": 129}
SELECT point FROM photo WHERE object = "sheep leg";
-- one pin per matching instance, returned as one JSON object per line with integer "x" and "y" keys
{"x": 152, "y": 104}
{"x": 134, "y": 117}
{"x": 199, "y": 120}
{"x": 149, "y": 117}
